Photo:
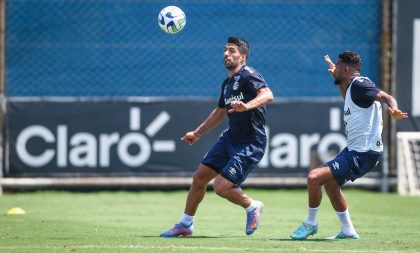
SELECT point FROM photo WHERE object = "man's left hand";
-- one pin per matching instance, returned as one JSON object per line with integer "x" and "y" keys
{"x": 238, "y": 106}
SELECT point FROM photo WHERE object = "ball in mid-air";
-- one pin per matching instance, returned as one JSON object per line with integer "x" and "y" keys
{"x": 172, "y": 19}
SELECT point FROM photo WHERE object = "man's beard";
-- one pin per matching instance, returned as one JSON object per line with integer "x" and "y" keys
{"x": 230, "y": 65}
{"x": 337, "y": 81}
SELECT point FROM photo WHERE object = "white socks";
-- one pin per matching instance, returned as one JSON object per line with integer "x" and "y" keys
{"x": 311, "y": 218}
{"x": 346, "y": 224}
{"x": 252, "y": 206}
{"x": 344, "y": 217}
{"x": 187, "y": 220}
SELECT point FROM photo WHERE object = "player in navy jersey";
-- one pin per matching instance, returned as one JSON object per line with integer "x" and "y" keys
{"x": 363, "y": 121}
{"x": 238, "y": 150}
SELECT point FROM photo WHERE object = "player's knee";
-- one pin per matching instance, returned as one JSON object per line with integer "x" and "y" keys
{"x": 314, "y": 178}
{"x": 199, "y": 179}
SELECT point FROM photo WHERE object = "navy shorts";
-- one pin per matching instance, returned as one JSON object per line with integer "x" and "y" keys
{"x": 351, "y": 165}
{"x": 232, "y": 160}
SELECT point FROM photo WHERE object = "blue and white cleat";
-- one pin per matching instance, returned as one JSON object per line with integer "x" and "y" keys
{"x": 341, "y": 235}
{"x": 178, "y": 230}
{"x": 253, "y": 219}
{"x": 304, "y": 231}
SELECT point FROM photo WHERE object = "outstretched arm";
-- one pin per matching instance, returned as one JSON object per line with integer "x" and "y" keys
{"x": 264, "y": 96}
{"x": 331, "y": 69}
{"x": 393, "y": 110}
{"x": 215, "y": 117}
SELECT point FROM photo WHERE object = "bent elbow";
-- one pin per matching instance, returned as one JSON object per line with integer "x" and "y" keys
{"x": 270, "y": 97}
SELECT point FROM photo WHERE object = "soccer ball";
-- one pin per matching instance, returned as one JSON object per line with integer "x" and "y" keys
{"x": 171, "y": 19}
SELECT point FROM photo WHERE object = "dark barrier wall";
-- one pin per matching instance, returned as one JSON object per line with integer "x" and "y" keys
{"x": 143, "y": 137}
{"x": 407, "y": 64}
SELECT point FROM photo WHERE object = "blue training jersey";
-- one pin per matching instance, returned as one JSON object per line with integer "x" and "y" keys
{"x": 244, "y": 127}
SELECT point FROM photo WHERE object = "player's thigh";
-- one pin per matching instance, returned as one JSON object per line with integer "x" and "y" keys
{"x": 345, "y": 166}
{"x": 238, "y": 168}
{"x": 217, "y": 157}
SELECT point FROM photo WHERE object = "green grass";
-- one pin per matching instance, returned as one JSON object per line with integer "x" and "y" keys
{"x": 132, "y": 222}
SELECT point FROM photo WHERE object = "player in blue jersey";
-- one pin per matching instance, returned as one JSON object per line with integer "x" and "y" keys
{"x": 243, "y": 97}
{"x": 363, "y": 121}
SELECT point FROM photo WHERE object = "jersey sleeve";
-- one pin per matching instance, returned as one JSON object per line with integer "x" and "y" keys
{"x": 256, "y": 82}
{"x": 364, "y": 92}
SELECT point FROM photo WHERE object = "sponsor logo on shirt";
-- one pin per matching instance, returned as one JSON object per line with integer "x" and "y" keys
{"x": 234, "y": 98}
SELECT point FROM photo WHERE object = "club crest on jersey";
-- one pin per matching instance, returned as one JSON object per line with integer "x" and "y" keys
{"x": 236, "y": 85}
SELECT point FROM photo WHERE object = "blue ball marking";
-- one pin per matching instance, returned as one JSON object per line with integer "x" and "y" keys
{"x": 169, "y": 15}
{"x": 170, "y": 24}
{"x": 162, "y": 20}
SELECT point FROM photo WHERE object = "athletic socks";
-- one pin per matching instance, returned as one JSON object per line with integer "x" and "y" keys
{"x": 252, "y": 206}
{"x": 311, "y": 218}
{"x": 187, "y": 219}
{"x": 346, "y": 224}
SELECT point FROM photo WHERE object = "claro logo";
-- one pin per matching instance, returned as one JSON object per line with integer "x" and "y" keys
{"x": 287, "y": 150}
{"x": 84, "y": 149}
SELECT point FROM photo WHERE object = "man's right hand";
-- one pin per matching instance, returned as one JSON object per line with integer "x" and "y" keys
{"x": 331, "y": 65}
{"x": 190, "y": 138}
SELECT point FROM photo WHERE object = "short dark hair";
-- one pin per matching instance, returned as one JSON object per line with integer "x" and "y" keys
{"x": 352, "y": 59}
{"x": 242, "y": 44}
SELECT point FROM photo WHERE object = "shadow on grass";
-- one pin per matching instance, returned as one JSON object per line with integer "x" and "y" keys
{"x": 190, "y": 237}
{"x": 307, "y": 240}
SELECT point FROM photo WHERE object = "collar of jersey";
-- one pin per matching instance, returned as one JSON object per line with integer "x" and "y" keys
{"x": 238, "y": 72}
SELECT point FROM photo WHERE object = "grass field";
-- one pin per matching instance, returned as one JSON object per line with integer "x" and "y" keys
{"x": 132, "y": 222}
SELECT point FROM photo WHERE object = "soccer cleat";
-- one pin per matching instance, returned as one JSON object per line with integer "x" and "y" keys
{"x": 178, "y": 230}
{"x": 253, "y": 219}
{"x": 341, "y": 235}
{"x": 304, "y": 231}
